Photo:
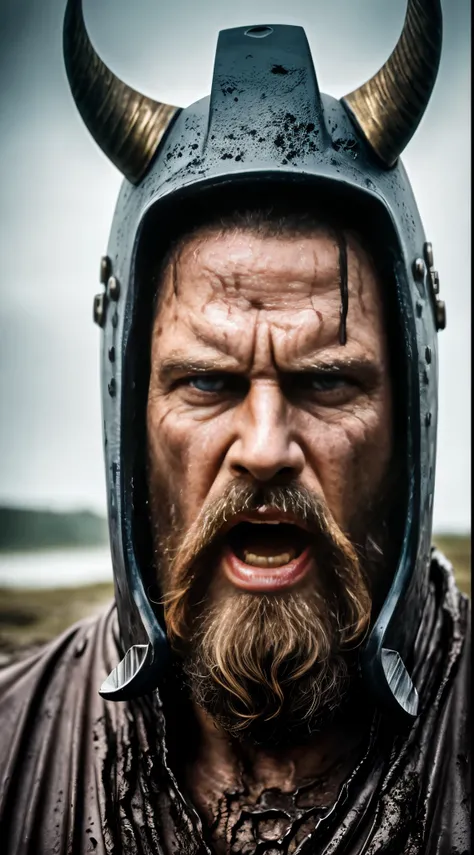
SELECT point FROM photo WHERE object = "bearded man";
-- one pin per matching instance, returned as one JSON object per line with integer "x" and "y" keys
{"x": 284, "y": 669}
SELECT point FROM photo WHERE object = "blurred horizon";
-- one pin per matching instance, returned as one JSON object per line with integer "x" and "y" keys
{"x": 59, "y": 193}
{"x": 100, "y": 514}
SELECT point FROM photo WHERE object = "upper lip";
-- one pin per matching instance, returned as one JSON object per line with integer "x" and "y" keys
{"x": 262, "y": 515}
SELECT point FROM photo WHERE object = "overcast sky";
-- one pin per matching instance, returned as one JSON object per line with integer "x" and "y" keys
{"x": 58, "y": 193}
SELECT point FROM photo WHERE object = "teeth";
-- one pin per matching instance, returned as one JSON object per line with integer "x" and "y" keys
{"x": 268, "y": 560}
{"x": 265, "y": 522}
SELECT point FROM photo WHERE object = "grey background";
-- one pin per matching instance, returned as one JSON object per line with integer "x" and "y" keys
{"x": 58, "y": 193}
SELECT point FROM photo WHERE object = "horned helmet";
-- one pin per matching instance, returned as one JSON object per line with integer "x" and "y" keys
{"x": 264, "y": 125}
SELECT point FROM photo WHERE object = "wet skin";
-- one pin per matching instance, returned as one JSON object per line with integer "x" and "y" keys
{"x": 249, "y": 381}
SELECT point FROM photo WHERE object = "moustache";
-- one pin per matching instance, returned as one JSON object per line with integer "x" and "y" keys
{"x": 341, "y": 579}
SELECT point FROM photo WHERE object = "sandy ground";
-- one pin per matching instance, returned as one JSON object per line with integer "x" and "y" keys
{"x": 30, "y": 617}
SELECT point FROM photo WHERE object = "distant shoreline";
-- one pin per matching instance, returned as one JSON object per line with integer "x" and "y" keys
{"x": 28, "y": 551}
{"x": 32, "y": 530}
{"x": 55, "y": 568}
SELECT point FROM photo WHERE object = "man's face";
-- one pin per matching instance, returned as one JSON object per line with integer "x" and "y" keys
{"x": 268, "y": 444}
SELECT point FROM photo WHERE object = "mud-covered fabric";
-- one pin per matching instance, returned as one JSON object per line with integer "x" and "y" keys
{"x": 82, "y": 775}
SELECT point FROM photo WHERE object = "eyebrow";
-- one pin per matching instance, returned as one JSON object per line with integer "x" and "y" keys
{"x": 362, "y": 368}
{"x": 176, "y": 366}
{"x": 338, "y": 365}
{"x": 180, "y": 366}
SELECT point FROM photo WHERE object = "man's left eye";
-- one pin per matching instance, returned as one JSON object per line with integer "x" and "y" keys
{"x": 323, "y": 388}
{"x": 330, "y": 383}
{"x": 207, "y": 383}
{"x": 308, "y": 383}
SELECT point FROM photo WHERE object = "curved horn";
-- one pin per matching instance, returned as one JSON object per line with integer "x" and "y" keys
{"x": 389, "y": 107}
{"x": 128, "y": 126}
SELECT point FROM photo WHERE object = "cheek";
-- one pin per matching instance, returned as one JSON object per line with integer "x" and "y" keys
{"x": 168, "y": 449}
{"x": 185, "y": 454}
{"x": 350, "y": 454}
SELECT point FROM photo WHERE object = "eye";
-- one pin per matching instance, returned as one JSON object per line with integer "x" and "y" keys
{"x": 207, "y": 383}
{"x": 323, "y": 386}
{"x": 215, "y": 386}
{"x": 327, "y": 383}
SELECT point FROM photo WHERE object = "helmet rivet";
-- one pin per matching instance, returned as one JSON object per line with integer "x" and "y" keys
{"x": 440, "y": 314}
{"x": 435, "y": 280}
{"x": 99, "y": 309}
{"x": 105, "y": 269}
{"x": 419, "y": 269}
{"x": 428, "y": 251}
{"x": 428, "y": 419}
{"x": 113, "y": 288}
{"x": 112, "y": 387}
{"x": 112, "y": 354}
{"x": 428, "y": 354}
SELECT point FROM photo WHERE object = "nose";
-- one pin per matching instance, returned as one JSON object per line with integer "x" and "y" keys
{"x": 265, "y": 446}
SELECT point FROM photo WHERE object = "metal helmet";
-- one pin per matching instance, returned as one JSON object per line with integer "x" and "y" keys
{"x": 264, "y": 124}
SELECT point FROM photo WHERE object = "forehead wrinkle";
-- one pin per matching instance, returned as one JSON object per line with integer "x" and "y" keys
{"x": 242, "y": 278}
{"x": 256, "y": 266}
{"x": 225, "y": 340}
{"x": 256, "y": 262}
{"x": 274, "y": 344}
{"x": 197, "y": 249}
{"x": 301, "y": 348}
{"x": 214, "y": 337}
{"x": 313, "y": 335}
{"x": 308, "y": 335}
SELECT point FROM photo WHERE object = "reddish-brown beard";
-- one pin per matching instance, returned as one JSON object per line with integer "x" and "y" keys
{"x": 262, "y": 664}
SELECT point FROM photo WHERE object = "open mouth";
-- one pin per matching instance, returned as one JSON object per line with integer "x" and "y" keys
{"x": 269, "y": 544}
{"x": 266, "y": 554}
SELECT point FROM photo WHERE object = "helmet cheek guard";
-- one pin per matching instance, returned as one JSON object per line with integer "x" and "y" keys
{"x": 265, "y": 125}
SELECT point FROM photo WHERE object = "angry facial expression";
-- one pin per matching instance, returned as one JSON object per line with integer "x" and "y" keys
{"x": 254, "y": 407}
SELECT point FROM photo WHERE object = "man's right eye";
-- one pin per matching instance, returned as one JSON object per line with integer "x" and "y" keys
{"x": 211, "y": 383}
